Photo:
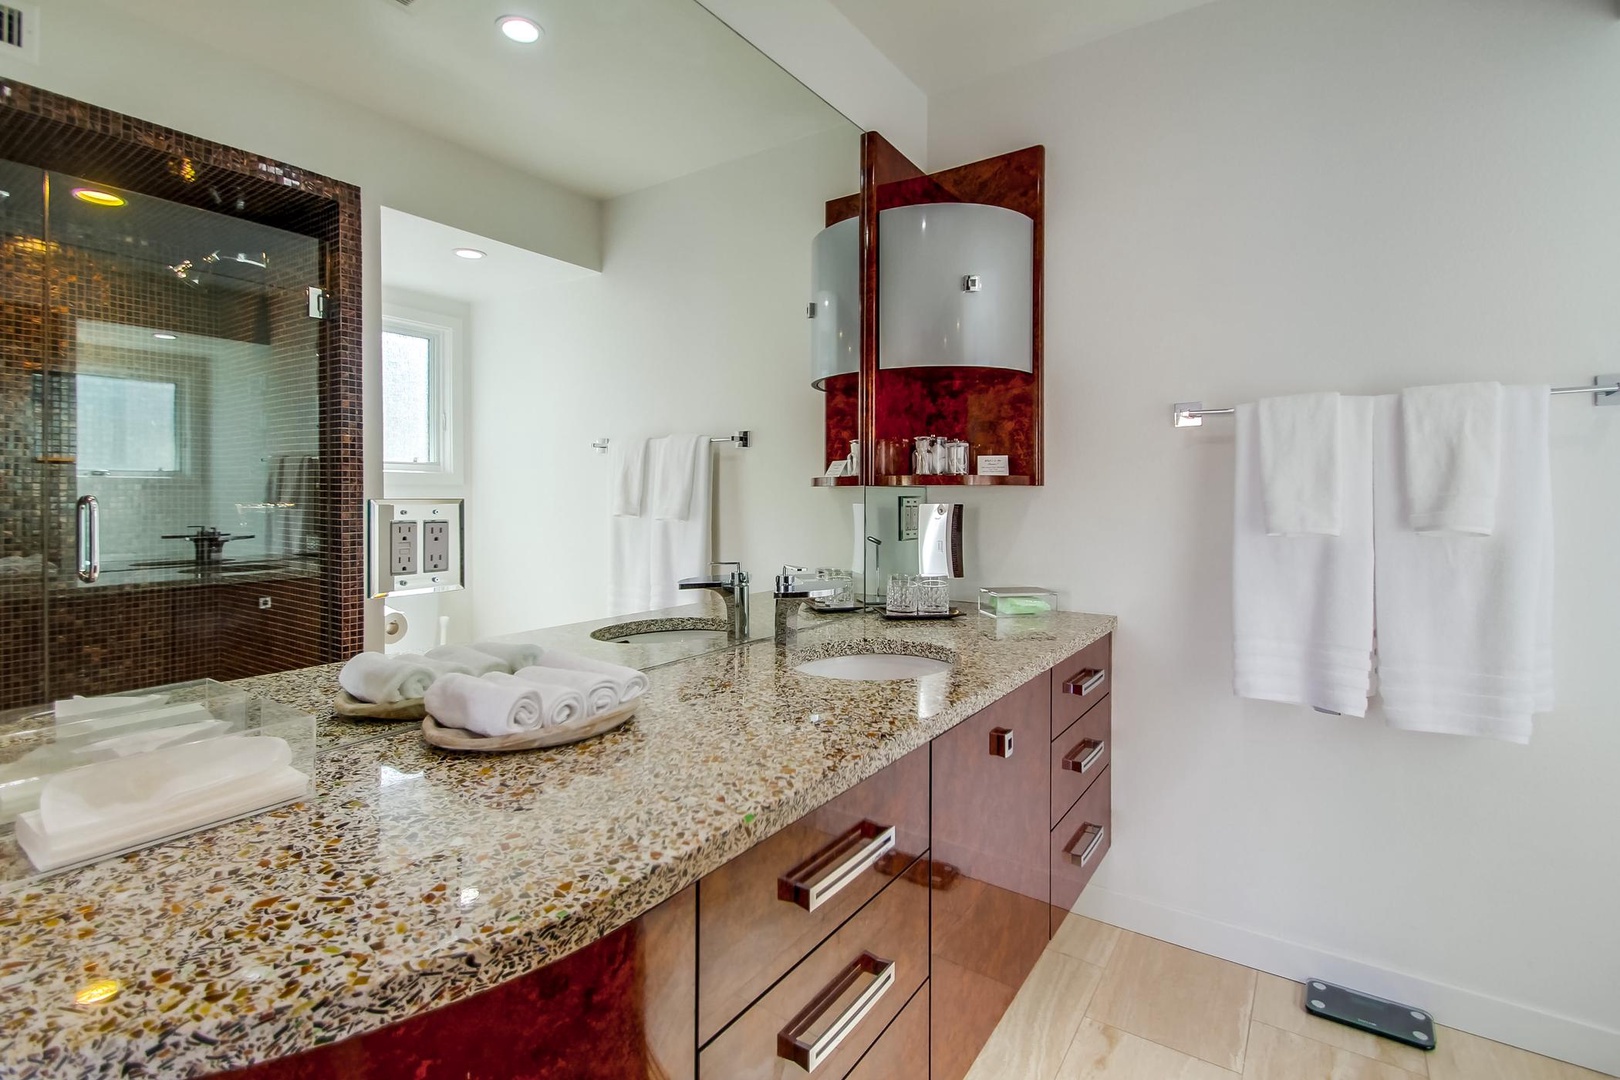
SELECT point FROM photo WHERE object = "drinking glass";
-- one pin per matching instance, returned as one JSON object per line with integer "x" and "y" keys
{"x": 902, "y": 595}
{"x": 934, "y": 595}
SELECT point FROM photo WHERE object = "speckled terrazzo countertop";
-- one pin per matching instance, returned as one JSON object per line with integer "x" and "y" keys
{"x": 415, "y": 877}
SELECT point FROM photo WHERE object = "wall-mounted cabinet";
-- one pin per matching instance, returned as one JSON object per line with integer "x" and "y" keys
{"x": 947, "y": 271}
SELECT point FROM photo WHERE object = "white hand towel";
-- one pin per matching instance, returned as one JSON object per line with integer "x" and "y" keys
{"x": 597, "y": 691}
{"x": 628, "y": 462}
{"x": 373, "y": 677}
{"x": 112, "y": 805}
{"x": 513, "y": 654}
{"x": 627, "y": 680}
{"x": 475, "y": 662}
{"x": 1300, "y": 448}
{"x": 675, "y": 460}
{"x": 1464, "y": 621}
{"x": 1302, "y": 606}
{"x": 679, "y": 549}
{"x": 497, "y": 704}
{"x": 561, "y": 701}
{"x": 1452, "y": 453}
{"x": 438, "y": 667}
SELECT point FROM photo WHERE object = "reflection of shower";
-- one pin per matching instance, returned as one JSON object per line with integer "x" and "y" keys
{"x": 187, "y": 271}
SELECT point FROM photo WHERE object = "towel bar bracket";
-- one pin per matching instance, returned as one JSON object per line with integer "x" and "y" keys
{"x": 1609, "y": 397}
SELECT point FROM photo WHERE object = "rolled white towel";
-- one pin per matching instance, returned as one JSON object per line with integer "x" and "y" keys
{"x": 475, "y": 662}
{"x": 597, "y": 691}
{"x": 627, "y": 680}
{"x": 383, "y": 680}
{"x": 438, "y": 667}
{"x": 488, "y": 706}
{"x": 511, "y": 653}
{"x": 559, "y": 703}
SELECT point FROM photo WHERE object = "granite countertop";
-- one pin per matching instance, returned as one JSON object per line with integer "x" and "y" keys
{"x": 415, "y": 877}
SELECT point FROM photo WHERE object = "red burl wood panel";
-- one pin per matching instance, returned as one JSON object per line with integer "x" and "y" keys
{"x": 994, "y": 409}
{"x": 623, "y": 1008}
{"x": 843, "y": 406}
{"x": 843, "y": 208}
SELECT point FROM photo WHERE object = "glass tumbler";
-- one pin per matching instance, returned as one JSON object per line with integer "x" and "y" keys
{"x": 842, "y": 584}
{"x": 933, "y": 595}
{"x": 902, "y": 595}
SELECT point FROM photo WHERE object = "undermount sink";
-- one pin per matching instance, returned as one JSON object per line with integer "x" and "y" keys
{"x": 874, "y": 667}
{"x": 664, "y": 632}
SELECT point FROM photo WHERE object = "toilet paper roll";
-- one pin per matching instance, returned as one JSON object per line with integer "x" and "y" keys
{"x": 395, "y": 626}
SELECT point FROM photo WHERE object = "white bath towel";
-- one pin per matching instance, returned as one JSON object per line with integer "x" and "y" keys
{"x": 673, "y": 470}
{"x": 1465, "y": 621}
{"x": 1302, "y": 606}
{"x": 627, "y": 680}
{"x": 1300, "y": 473}
{"x": 497, "y": 704}
{"x": 559, "y": 702}
{"x": 438, "y": 667}
{"x": 112, "y": 805}
{"x": 627, "y": 462}
{"x": 597, "y": 691}
{"x": 513, "y": 654}
{"x": 380, "y": 679}
{"x": 475, "y": 662}
{"x": 1452, "y": 456}
{"x": 682, "y": 548}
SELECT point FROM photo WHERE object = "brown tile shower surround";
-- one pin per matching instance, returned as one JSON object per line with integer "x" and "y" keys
{"x": 111, "y": 636}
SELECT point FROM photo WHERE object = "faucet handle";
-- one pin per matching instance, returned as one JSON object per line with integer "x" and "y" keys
{"x": 738, "y": 574}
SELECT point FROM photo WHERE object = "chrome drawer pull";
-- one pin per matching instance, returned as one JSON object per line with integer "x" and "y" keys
{"x": 1087, "y": 752}
{"x": 88, "y": 518}
{"x": 1085, "y": 682}
{"x": 1098, "y": 832}
{"x": 823, "y": 875}
{"x": 790, "y": 1044}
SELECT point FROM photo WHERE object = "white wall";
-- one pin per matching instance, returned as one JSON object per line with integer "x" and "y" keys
{"x": 1269, "y": 196}
{"x": 696, "y": 324}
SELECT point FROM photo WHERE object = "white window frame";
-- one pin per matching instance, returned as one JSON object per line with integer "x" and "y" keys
{"x": 446, "y": 334}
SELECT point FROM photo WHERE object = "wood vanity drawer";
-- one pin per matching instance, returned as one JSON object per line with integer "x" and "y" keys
{"x": 827, "y": 1011}
{"x": 1079, "y": 843}
{"x": 1080, "y": 682}
{"x": 1079, "y": 757}
{"x": 903, "y": 1049}
{"x": 765, "y": 910}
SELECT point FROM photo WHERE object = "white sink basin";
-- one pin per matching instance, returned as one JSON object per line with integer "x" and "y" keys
{"x": 874, "y": 667}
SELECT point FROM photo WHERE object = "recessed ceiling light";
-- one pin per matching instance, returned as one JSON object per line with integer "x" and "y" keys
{"x": 521, "y": 30}
{"x": 164, "y": 337}
{"x": 469, "y": 253}
{"x": 96, "y": 197}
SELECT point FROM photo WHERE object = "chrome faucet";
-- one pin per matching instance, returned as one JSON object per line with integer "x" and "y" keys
{"x": 733, "y": 589}
{"x": 790, "y": 594}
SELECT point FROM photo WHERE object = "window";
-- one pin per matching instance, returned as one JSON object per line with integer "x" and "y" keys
{"x": 127, "y": 426}
{"x": 416, "y": 395}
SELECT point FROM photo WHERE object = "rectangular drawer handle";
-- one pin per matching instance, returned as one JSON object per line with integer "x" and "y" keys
{"x": 1085, "y": 682}
{"x": 823, "y": 875}
{"x": 790, "y": 1044}
{"x": 1097, "y": 833}
{"x": 1085, "y": 755}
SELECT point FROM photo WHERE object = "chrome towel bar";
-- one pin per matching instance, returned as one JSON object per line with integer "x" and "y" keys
{"x": 1192, "y": 413}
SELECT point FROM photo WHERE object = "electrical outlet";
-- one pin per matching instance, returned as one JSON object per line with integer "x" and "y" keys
{"x": 435, "y": 546}
{"x": 908, "y": 516}
{"x": 265, "y": 603}
{"x": 403, "y": 547}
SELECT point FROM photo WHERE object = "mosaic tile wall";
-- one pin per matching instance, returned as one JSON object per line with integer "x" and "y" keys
{"x": 268, "y": 406}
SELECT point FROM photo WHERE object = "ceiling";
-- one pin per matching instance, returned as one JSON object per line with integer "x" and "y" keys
{"x": 944, "y": 44}
{"x": 419, "y": 254}
{"x": 619, "y": 95}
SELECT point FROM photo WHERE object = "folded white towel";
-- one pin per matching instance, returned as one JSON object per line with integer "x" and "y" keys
{"x": 1465, "y": 622}
{"x": 112, "y": 805}
{"x": 497, "y": 704}
{"x": 1451, "y": 447}
{"x": 1302, "y": 606}
{"x": 373, "y": 677}
{"x": 626, "y": 680}
{"x": 513, "y": 654}
{"x": 560, "y": 701}
{"x": 473, "y": 661}
{"x": 674, "y": 465}
{"x": 628, "y": 466}
{"x": 598, "y": 692}
{"x": 1300, "y": 448}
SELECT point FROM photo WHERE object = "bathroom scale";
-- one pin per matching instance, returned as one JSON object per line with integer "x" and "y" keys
{"x": 1391, "y": 1019}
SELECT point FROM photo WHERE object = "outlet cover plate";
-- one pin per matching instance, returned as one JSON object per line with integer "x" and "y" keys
{"x": 909, "y": 505}
{"x": 413, "y": 546}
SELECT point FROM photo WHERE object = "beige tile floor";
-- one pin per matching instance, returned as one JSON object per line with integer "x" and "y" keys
{"x": 1107, "y": 1004}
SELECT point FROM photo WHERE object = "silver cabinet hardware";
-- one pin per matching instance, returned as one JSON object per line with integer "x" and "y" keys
{"x": 1001, "y": 742}
{"x": 790, "y": 1044}
{"x": 87, "y": 516}
{"x": 1085, "y": 682}
{"x": 1085, "y": 755}
{"x": 1097, "y": 832}
{"x": 852, "y": 853}
{"x": 971, "y": 283}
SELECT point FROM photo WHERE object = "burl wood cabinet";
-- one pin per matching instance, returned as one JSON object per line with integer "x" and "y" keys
{"x": 880, "y": 937}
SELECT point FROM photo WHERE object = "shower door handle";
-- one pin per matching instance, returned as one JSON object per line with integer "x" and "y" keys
{"x": 88, "y": 517}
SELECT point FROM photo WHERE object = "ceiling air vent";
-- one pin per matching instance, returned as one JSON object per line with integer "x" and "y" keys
{"x": 19, "y": 31}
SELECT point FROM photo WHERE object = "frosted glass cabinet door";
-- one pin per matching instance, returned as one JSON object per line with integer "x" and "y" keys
{"x": 835, "y": 325}
{"x": 956, "y": 287}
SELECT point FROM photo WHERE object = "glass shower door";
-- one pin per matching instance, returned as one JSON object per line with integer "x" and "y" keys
{"x": 181, "y": 405}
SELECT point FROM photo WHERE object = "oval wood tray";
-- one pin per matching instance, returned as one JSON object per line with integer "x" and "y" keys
{"x": 352, "y": 707}
{"x": 449, "y": 738}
